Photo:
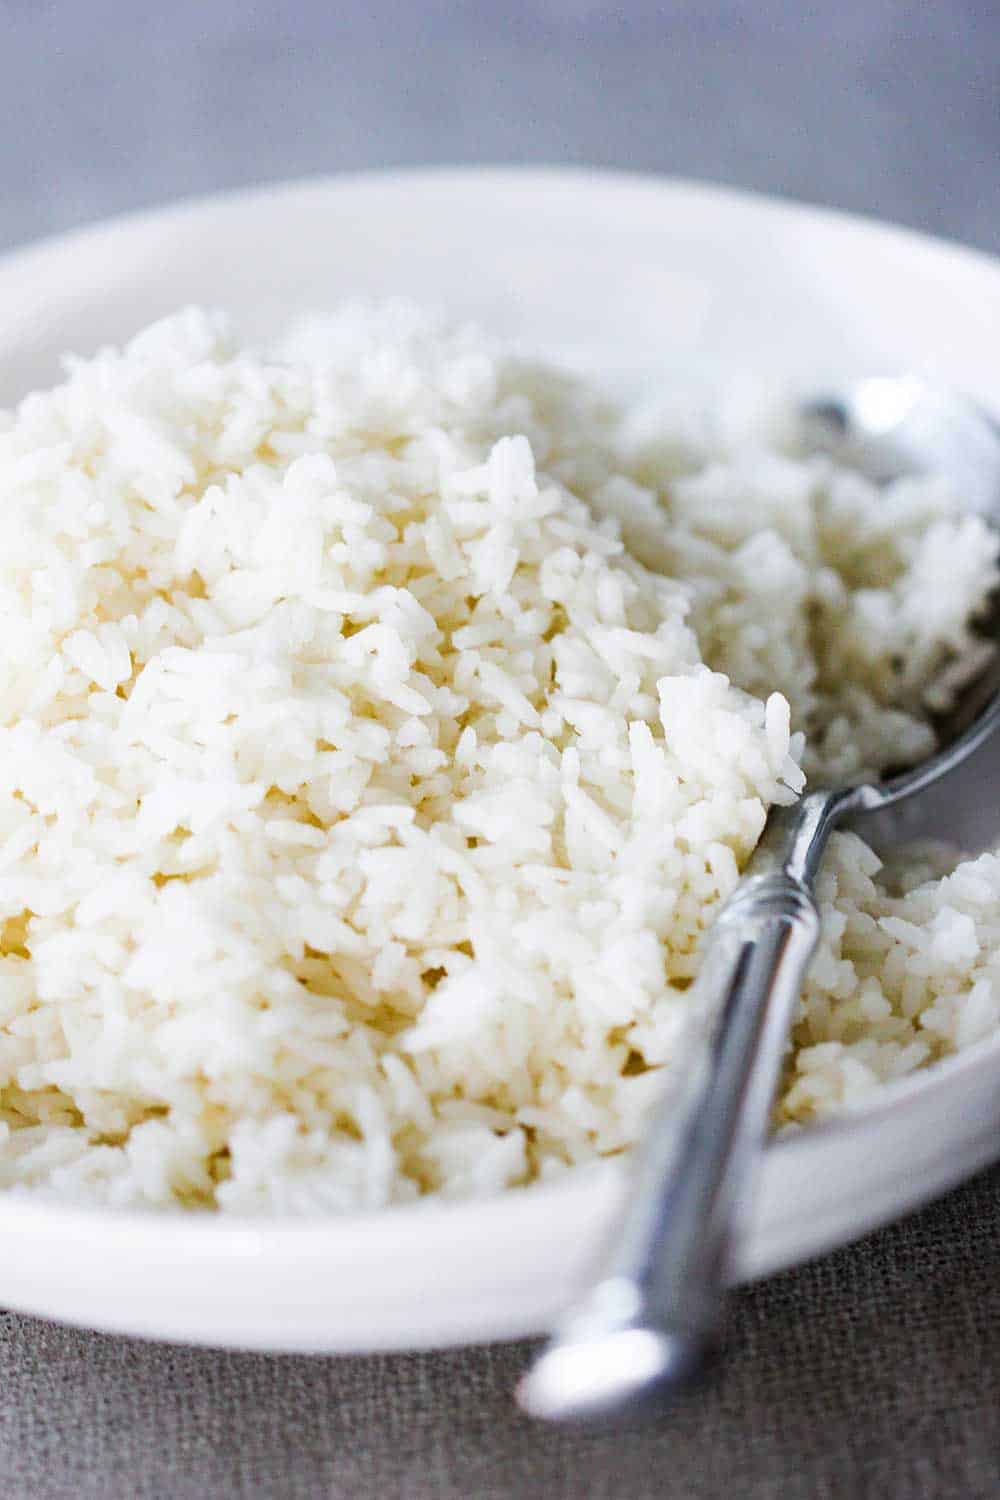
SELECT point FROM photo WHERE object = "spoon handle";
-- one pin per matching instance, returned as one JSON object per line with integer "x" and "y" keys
{"x": 649, "y": 1323}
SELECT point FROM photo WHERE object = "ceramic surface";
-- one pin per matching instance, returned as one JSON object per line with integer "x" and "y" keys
{"x": 648, "y": 279}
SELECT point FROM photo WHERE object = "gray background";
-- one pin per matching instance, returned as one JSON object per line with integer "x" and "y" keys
{"x": 873, "y": 1373}
{"x": 886, "y": 106}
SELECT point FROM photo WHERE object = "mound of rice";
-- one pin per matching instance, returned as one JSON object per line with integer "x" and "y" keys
{"x": 364, "y": 797}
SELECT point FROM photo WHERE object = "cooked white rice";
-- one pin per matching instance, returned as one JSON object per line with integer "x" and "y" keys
{"x": 363, "y": 800}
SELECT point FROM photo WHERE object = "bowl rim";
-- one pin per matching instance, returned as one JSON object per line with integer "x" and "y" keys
{"x": 30, "y": 254}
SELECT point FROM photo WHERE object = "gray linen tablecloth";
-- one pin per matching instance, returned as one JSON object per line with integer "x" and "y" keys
{"x": 873, "y": 1373}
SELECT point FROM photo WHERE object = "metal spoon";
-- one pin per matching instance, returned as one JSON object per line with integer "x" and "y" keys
{"x": 650, "y": 1322}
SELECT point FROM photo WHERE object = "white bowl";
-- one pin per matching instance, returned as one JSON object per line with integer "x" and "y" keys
{"x": 646, "y": 275}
